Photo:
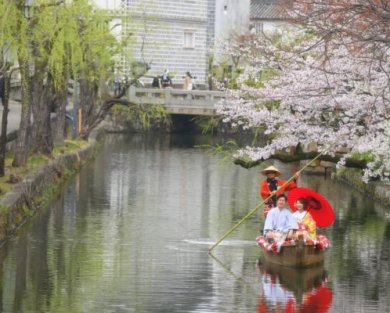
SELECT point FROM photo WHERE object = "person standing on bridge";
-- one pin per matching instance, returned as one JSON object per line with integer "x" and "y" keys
{"x": 188, "y": 82}
{"x": 166, "y": 81}
{"x": 156, "y": 82}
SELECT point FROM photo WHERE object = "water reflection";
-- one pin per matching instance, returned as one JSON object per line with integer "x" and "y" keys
{"x": 285, "y": 289}
{"x": 131, "y": 234}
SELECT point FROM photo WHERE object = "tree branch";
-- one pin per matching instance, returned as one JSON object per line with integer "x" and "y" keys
{"x": 300, "y": 156}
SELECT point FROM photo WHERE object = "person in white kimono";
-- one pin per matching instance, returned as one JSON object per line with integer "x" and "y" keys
{"x": 280, "y": 224}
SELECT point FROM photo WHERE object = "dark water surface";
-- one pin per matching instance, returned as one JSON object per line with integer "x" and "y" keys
{"x": 132, "y": 231}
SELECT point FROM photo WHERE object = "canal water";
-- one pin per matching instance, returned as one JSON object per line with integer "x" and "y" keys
{"x": 131, "y": 234}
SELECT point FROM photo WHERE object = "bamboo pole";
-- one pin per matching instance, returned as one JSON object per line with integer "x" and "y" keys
{"x": 235, "y": 276}
{"x": 80, "y": 121}
{"x": 251, "y": 212}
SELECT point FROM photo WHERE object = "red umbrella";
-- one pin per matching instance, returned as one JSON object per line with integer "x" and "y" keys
{"x": 319, "y": 208}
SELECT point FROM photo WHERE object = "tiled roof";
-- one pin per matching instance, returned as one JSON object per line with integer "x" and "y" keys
{"x": 265, "y": 9}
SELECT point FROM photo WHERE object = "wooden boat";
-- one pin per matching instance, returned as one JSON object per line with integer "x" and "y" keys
{"x": 299, "y": 255}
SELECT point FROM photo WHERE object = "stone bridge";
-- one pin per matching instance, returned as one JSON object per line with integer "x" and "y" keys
{"x": 176, "y": 101}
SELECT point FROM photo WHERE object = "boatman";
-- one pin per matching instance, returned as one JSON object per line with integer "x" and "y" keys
{"x": 273, "y": 185}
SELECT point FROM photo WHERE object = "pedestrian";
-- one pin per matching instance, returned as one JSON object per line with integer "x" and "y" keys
{"x": 166, "y": 81}
{"x": 188, "y": 82}
{"x": 117, "y": 83}
{"x": 156, "y": 82}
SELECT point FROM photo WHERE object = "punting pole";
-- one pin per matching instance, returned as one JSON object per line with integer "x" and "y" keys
{"x": 236, "y": 277}
{"x": 251, "y": 212}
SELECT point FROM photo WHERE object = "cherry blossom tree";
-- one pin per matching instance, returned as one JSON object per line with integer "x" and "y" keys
{"x": 329, "y": 88}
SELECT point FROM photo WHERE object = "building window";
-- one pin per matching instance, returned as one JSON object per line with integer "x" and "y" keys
{"x": 189, "y": 39}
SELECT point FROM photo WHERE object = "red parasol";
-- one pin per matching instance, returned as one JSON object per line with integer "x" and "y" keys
{"x": 317, "y": 205}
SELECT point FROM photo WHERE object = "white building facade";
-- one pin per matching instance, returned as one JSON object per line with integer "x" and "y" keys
{"x": 109, "y": 4}
{"x": 170, "y": 34}
{"x": 231, "y": 17}
{"x": 178, "y": 35}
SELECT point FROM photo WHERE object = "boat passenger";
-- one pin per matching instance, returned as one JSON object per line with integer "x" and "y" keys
{"x": 280, "y": 224}
{"x": 306, "y": 223}
{"x": 272, "y": 185}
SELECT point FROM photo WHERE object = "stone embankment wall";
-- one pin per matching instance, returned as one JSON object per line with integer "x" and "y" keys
{"x": 378, "y": 191}
{"x": 39, "y": 188}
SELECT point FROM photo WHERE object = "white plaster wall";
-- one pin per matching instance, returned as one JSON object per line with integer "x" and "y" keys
{"x": 234, "y": 20}
{"x": 108, "y": 4}
{"x": 272, "y": 27}
{"x": 164, "y": 49}
{"x": 159, "y": 25}
{"x": 162, "y": 25}
{"x": 187, "y": 9}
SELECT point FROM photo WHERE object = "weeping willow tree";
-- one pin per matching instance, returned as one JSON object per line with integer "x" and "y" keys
{"x": 93, "y": 59}
{"x": 80, "y": 47}
{"x": 13, "y": 41}
{"x": 4, "y": 91}
{"x": 56, "y": 42}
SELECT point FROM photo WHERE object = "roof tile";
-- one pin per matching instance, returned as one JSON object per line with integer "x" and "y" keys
{"x": 265, "y": 9}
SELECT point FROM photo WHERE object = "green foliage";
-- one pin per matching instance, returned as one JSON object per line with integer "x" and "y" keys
{"x": 69, "y": 146}
{"x": 225, "y": 151}
{"x": 68, "y": 38}
{"x": 14, "y": 31}
{"x": 367, "y": 156}
{"x": 56, "y": 42}
{"x": 207, "y": 123}
{"x": 4, "y": 209}
{"x": 80, "y": 37}
{"x": 141, "y": 116}
{"x": 271, "y": 105}
{"x": 35, "y": 161}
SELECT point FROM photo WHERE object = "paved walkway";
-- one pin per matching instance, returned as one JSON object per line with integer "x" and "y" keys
{"x": 15, "y": 108}
{"x": 13, "y": 115}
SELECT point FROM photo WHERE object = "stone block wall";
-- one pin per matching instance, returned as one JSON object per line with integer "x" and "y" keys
{"x": 378, "y": 191}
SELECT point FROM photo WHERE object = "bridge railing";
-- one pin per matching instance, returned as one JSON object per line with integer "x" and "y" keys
{"x": 176, "y": 97}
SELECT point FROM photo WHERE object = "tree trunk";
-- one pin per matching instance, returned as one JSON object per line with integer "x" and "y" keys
{"x": 21, "y": 145}
{"x": 60, "y": 103}
{"x": 41, "y": 99}
{"x": 87, "y": 102}
{"x": 299, "y": 155}
{"x": 4, "y": 123}
{"x": 59, "y": 130}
